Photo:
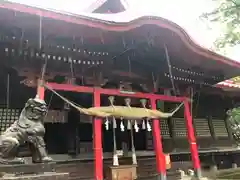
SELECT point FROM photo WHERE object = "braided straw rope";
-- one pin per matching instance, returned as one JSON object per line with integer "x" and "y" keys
{"x": 118, "y": 111}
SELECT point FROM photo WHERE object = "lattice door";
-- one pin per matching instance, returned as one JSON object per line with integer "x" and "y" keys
{"x": 7, "y": 117}
{"x": 179, "y": 127}
{"x": 219, "y": 128}
{"x": 202, "y": 128}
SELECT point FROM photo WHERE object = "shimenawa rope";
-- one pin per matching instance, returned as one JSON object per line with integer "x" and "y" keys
{"x": 118, "y": 111}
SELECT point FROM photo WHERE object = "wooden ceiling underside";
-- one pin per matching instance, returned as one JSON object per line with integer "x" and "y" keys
{"x": 133, "y": 49}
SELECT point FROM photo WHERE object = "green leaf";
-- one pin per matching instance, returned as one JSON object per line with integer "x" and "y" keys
{"x": 227, "y": 14}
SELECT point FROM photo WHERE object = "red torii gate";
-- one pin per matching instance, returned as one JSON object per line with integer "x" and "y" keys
{"x": 97, "y": 125}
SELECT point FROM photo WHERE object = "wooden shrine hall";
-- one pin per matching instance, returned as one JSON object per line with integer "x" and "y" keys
{"x": 113, "y": 73}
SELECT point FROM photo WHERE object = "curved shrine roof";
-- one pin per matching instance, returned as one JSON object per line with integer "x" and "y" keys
{"x": 126, "y": 22}
{"x": 116, "y": 22}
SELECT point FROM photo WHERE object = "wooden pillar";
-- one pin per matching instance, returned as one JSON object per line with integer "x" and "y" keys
{"x": 73, "y": 138}
{"x": 228, "y": 127}
{"x": 211, "y": 128}
{"x": 73, "y": 122}
{"x": 160, "y": 158}
{"x": 192, "y": 140}
{"x": 97, "y": 140}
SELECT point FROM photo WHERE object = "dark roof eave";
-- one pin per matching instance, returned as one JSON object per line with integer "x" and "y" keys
{"x": 115, "y": 26}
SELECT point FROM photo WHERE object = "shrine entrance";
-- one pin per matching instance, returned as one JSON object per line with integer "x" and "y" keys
{"x": 152, "y": 98}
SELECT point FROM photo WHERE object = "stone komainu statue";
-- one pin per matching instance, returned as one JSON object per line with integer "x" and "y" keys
{"x": 29, "y": 129}
{"x": 233, "y": 117}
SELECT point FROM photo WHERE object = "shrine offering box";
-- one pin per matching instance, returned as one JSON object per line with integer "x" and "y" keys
{"x": 122, "y": 172}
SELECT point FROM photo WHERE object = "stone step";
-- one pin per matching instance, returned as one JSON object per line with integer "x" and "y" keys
{"x": 28, "y": 168}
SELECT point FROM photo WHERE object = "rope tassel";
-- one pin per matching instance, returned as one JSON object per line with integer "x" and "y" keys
{"x": 115, "y": 156}
{"x": 114, "y": 123}
{"x": 143, "y": 125}
{"x": 134, "y": 157}
{"x": 148, "y": 126}
{"x": 136, "y": 126}
{"x": 129, "y": 125}
{"x": 122, "y": 126}
{"x": 107, "y": 124}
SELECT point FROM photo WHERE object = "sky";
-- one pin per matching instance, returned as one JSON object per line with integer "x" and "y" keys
{"x": 183, "y": 12}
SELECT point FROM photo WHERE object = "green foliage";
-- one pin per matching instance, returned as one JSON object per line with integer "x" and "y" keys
{"x": 227, "y": 14}
{"x": 234, "y": 121}
{"x": 234, "y": 116}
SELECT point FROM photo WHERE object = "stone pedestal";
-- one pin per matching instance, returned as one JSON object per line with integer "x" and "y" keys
{"x": 43, "y": 176}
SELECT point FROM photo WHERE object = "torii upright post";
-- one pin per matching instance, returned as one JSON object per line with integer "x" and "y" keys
{"x": 157, "y": 141}
{"x": 40, "y": 90}
{"x": 192, "y": 140}
{"x": 97, "y": 140}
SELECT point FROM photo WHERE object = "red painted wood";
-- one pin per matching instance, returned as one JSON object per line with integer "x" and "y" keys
{"x": 157, "y": 141}
{"x": 97, "y": 140}
{"x": 40, "y": 91}
{"x": 115, "y": 92}
{"x": 191, "y": 137}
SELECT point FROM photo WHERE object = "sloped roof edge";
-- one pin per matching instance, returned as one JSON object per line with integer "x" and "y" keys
{"x": 230, "y": 83}
{"x": 226, "y": 84}
{"x": 120, "y": 22}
